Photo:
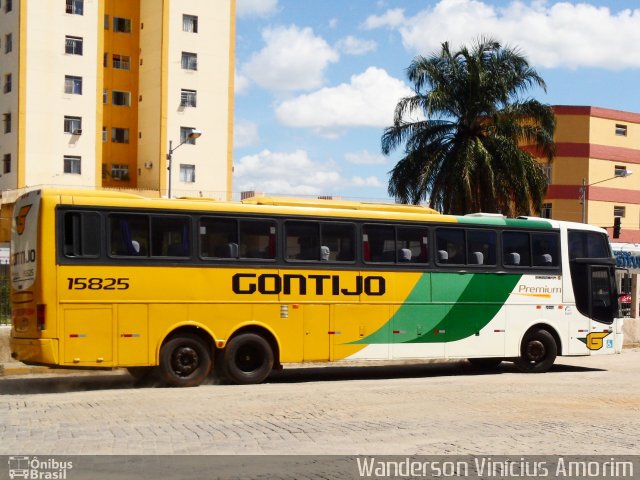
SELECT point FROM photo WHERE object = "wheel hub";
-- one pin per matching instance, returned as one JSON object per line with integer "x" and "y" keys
{"x": 535, "y": 351}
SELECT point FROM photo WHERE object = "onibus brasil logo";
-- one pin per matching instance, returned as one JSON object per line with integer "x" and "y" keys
{"x": 41, "y": 469}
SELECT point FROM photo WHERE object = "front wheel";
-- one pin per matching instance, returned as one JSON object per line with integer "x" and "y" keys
{"x": 185, "y": 361}
{"x": 248, "y": 359}
{"x": 537, "y": 352}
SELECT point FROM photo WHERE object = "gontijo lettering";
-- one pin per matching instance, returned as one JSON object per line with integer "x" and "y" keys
{"x": 288, "y": 284}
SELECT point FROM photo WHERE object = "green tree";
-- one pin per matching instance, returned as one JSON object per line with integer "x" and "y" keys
{"x": 463, "y": 129}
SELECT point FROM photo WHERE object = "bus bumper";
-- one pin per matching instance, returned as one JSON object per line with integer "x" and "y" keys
{"x": 42, "y": 351}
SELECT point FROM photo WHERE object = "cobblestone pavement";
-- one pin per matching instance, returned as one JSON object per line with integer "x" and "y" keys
{"x": 587, "y": 405}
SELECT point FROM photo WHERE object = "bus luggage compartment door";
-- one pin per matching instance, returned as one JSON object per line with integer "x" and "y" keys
{"x": 88, "y": 335}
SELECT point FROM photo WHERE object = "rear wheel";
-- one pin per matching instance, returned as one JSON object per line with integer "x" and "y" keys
{"x": 537, "y": 352}
{"x": 248, "y": 359}
{"x": 185, "y": 361}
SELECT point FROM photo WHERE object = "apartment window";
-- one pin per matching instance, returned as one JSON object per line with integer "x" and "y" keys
{"x": 120, "y": 172}
{"x": 106, "y": 22}
{"x": 621, "y": 130}
{"x": 619, "y": 211}
{"x": 73, "y": 85}
{"x": 6, "y": 117}
{"x": 73, "y": 125}
{"x": 187, "y": 173}
{"x": 104, "y": 140}
{"x": 8, "y": 43}
{"x": 190, "y": 23}
{"x": 120, "y": 135}
{"x": 188, "y": 98}
{"x": 73, "y": 45}
{"x": 8, "y": 5}
{"x": 105, "y": 59}
{"x": 105, "y": 96}
{"x": 189, "y": 61}
{"x": 7, "y": 83}
{"x": 547, "y": 210}
{"x": 72, "y": 164}
{"x": 75, "y": 7}
{"x": 6, "y": 163}
{"x": 184, "y": 135}
{"x": 121, "y": 98}
{"x": 121, "y": 24}
{"x": 620, "y": 171}
{"x": 548, "y": 170}
{"x": 121, "y": 62}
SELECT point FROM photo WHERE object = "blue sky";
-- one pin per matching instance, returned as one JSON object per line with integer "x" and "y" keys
{"x": 317, "y": 81}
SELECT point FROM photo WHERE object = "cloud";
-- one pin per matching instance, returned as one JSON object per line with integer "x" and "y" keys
{"x": 285, "y": 173}
{"x": 356, "y": 46}
{"x": 241, "y": 83}
{"x": 292, "y": 59}
{"x": 391, "y": 19}
{"x": 245, "y": 134}
{"x": 293, "y": 173}
{"x": 367, "y": 101}
{"x": 364, "y": 157}
{"x": 552, "y": 35}
{"x": 256, "y": 8}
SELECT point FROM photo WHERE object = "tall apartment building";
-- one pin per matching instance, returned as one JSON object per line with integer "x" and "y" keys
{"x": 95, "y": 90}
{"x": 595, "y": 147}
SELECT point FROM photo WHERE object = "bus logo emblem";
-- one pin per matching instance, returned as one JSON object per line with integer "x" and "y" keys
{"x": 594, "y": 341}
{"x": 21, "y": 219}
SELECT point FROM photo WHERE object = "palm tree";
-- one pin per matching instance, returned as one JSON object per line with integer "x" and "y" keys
{"x": 462, "y": 146}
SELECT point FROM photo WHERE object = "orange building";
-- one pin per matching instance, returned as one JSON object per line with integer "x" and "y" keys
{"x": 596, "y": 151}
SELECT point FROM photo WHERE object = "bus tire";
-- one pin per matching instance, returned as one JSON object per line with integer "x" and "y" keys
{"x": 185, "y": 361}
{"x": 485, "y": 363}
{"x": 248, "y": 359}
{"x": 537, "y": 352}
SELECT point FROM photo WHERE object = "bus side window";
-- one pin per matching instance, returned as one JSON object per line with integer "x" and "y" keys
{"x": 381, "y": 243}
{"x": 338, "y": 239}
{"x": 481, "y": 247}
{"x": 545, "y": 249}
{"x": 129, "y": 235}
{"x": 81, "y": 236}
{"x": 257, "y": 239}
{"x": 302, "y": 241}
{"x": 170, "y": 237}
{"x": 413, "y": 244}
{"x": 218, "y": 238}
{"x": 516, "y": 251}
{"x": 450, "y": 244}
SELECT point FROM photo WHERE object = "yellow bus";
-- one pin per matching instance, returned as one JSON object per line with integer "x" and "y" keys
{"x": 104, "y": 279}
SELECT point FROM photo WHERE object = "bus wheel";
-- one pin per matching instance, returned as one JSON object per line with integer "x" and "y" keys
{"x": 537, "y": 352}
{"x": 248, "y": 359}
{"x": 185, "y": 361}
{"x": 485, "y": 363}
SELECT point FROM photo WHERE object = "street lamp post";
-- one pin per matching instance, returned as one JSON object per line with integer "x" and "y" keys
{"x": 192, "y": 135}
{"x": 583, "y": 190}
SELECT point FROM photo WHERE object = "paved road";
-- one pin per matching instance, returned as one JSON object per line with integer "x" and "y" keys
{"x": 585, "y": 405}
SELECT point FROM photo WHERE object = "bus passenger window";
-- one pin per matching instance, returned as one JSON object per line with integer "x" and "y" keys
{"x": 450, "y": 246}
{"x": 481, "y": 247}
{"x": 413, "y": 244}
{"x": 302, "y": 241}
{"x": 338, "y": 239}
{"x": 380, "y": 244}
{"x": 516, "y": 251}
{"x": 257, "y": 239}
{"x": 545, "y": 249}
{"x": 81, "y": 236}
{"x": 129, "y": 235}
{"x": 218, "y": 238}
{"x": 170, "y": 237}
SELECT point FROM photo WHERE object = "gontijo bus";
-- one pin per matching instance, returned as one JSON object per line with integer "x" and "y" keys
{"x": 105, "y": 279}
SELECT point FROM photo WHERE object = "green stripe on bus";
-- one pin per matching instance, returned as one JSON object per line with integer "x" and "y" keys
{"x": 473, "y": 300}
{"x": 505, "y": 222}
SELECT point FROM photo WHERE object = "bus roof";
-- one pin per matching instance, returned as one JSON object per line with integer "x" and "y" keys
{"x": 297, "y": 206}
